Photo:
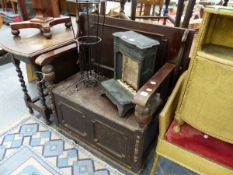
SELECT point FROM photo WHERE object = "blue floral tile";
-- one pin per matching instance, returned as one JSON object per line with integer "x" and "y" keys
{"x": 16, "y": 143}
{"x": 28, "y": 129}
{"x": 72, "y": 153}
{"x": 45, "y": 134}
{"x": 62, "y": 163}
{"x": 35, "y": 142}
{"x": 9, "y": 138}
{"x": 53, "y": 148}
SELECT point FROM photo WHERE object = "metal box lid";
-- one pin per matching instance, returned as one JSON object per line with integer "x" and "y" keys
{"x": 140, "y": 41}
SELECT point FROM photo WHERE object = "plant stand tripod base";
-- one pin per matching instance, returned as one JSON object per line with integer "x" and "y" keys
{"x": 43, "y": 24}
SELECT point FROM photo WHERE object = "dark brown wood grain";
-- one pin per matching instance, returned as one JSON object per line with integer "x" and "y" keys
{"x": 53, "y": 10}
{"x": 169, "y": 38}
{"x": 23, "y": 9}
{"x": 92, "y": 120}
{"x": 152, "y": 85}
{"x": 48, "y": 57}
{"x": 31, "y": 43}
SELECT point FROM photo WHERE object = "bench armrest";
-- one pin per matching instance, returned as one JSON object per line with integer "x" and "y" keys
{"x": 145, "y": 99}
{"x": 146, "y": 92}
{"x": 48, "y": 57}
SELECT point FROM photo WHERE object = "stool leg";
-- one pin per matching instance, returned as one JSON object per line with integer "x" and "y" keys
{"x": 27, "y": 98}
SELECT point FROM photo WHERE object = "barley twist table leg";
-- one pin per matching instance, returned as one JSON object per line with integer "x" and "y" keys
{"x": 27, "y": 98}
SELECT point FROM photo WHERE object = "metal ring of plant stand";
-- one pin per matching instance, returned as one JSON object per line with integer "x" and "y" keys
{"x": 88, "y": 40}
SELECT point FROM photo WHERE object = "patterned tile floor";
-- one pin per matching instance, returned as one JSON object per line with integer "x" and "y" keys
{"x": 61, "y": 154}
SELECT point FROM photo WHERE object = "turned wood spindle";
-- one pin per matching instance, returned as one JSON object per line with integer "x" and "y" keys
{"x": 49, "y": 77}
{"x": 27, "y": 98}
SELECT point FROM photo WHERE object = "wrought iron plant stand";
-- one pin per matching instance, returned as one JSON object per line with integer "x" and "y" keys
{"x": 88, "y": 44}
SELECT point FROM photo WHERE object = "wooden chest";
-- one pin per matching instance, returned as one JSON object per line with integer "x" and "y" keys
{"x": 93, "y": 121}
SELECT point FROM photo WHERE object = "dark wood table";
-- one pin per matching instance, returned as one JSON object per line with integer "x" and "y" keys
{"x": 27, "y": 47}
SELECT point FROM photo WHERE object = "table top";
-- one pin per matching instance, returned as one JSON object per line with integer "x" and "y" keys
{"x": 31, "y": 43}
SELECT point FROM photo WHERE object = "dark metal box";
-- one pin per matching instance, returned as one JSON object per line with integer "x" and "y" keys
{"x": 140, "y": 53}
{"x": 134, "y": 63}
